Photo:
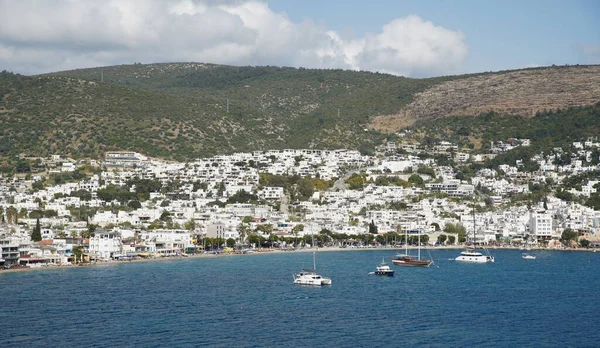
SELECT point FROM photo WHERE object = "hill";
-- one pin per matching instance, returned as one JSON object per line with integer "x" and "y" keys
{"x": 189, "y": 110}
{"x": 520, "y": 92}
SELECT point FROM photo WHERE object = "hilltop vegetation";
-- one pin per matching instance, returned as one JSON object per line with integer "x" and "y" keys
{"x": 548, "y": 129}
{"x": 188, "y": 110}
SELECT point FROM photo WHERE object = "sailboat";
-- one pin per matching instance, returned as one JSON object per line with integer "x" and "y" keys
{"x": 471, "y": 254}
{"x": 407, "y": 260}
{"x": 310, "y": 276}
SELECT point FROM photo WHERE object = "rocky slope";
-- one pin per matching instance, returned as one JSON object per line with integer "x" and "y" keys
{"x": 520, "y": 92}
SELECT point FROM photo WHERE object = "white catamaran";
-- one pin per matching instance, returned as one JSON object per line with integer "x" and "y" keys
{"x": 471, "y": 254}
{"x": 310, "y": 276}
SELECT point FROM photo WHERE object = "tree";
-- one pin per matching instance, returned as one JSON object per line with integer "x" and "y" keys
{"x": 12, "y": 216}
{"x": 230, "y": 242}
{"x": 265, "y": 228}
{"x": 356, "y": 181}
{"x": 415, "y": 179}
{"x": 91, "y": 228}
{"x": 165, "y": 216}
{"x": 372, "y": 227}
{"x": 456, "y": 229}
{"x": 442, "y": 238}
{"x": 305, "y": 188}
{"x": 190, "y": 225}
{"x": 568, "y": 235}
{"x": 36, "y": 234}
{"x": 451, "y": 239}
{"x": 584, "y": 243}
{"x": 295, "y": 230}
{"x": 36, "y": 214}
{"x": 244, "y": 231}
{"x": 134, "y": 204}
{"x": 273, "y": 239}
{"x": 78, "y": 253}
{"x": 242, "y": 197}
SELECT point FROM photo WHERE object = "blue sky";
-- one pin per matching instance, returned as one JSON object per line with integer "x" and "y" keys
{"x": 407, "y": 38}
{"x": 500, "y": 34}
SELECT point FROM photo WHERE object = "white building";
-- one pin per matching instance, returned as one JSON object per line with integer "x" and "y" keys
{"x": 105, "y": 245}
{"x": 540, "y": 224}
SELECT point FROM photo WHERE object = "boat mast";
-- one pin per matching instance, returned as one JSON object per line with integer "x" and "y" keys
{"x": 473, "y": 213}
{"x": 406, "y": 241}
{"x": 419, "y": 247}
{"x": 314, "y": 261}
{"x": 419, "y": 240}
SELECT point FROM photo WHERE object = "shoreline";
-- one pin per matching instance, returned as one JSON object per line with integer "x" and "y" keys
{"x": 275, "y": 251}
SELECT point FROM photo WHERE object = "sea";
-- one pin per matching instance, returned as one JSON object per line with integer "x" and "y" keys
{"x": 251, "y": 301}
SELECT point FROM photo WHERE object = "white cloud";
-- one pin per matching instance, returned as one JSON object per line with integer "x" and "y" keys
{"x": 50, "y": 35}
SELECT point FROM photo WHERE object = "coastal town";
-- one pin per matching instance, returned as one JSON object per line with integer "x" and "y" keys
{"x": 59, "y": 211}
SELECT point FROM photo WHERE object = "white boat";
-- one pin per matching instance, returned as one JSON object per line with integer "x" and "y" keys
{"x": 310, "y": 276}
{"x": 384, "y": 269}
{"x": 472, "y": 255}
{"x": 528, "y": 256}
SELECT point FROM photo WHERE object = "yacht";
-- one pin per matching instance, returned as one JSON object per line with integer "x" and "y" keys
{"x": 472, "y": 255}
{"x": 407, "y": 260}
{"x": 411, "y": 261}
{"x": 528, "y": 256}
{"x": 384, "y": 269}
{"x": 310, "y": 276}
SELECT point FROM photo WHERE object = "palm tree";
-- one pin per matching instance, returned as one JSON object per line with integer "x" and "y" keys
{"x": 295, "y": 231}
{"x": 243, "y": 230}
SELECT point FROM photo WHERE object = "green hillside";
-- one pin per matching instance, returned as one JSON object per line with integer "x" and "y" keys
{"x": 189, "y": 110}
{"x": 179, "y": 111}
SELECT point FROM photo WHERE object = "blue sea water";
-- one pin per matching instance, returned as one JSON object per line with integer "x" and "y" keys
{"x": 250, "y": 301}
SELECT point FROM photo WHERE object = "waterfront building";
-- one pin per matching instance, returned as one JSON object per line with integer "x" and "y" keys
{"x": 105, "y": 244}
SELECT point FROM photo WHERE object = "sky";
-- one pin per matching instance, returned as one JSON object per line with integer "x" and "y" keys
{"x": 413, "y": 38}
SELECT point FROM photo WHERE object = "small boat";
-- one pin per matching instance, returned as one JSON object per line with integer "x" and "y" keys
{"x": 384, "y": 269}
{"x": 528, "y": 256}
{"x": 310, "y": 276}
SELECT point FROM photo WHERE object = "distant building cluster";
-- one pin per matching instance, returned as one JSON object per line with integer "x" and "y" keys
{"x": 401, "y": 192}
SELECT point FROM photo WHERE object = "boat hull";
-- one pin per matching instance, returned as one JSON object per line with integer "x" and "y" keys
{"x": 310, "y": 278}
{"x": 312, "y": 282}
{"x": 475, "y": 259}
{"x": 410, "y": 262}
{"x": 385, "y": 273}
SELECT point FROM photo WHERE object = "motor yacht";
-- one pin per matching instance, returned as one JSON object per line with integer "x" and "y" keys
{"x": 384, "y": 269}
{"x": 472, "y": 255}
